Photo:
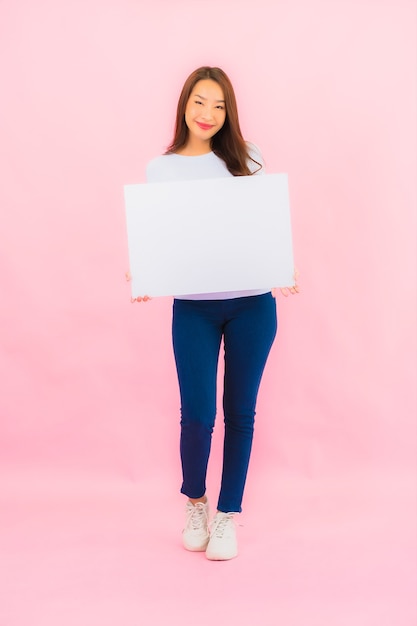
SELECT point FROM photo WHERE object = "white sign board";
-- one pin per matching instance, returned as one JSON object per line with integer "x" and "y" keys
{"x": 212, "y": 235}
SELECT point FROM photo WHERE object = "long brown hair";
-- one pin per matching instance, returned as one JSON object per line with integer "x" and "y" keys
{"x": 227, "y": 143}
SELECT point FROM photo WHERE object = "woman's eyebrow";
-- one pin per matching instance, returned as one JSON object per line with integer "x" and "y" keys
{"x": 196, "y": 95}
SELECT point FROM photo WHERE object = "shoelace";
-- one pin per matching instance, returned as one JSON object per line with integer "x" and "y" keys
{"x": 197, "y": 516}
{"x": 220, "y": 524}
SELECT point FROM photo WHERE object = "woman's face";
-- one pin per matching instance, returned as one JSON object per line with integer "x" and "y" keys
{"x": 205, "y": 112}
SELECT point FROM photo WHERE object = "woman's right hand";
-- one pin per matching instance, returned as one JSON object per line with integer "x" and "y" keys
{"x": 139, "y": 298}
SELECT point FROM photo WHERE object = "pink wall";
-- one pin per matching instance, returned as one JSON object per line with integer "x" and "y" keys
{"x": 327, "y": 90}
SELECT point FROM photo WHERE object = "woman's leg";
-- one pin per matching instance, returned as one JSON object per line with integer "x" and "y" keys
{"x": 248, "y": 337}
{"x": 197, "y": 333}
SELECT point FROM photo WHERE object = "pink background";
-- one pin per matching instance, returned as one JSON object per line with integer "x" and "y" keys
{"x": 89, "y": 503}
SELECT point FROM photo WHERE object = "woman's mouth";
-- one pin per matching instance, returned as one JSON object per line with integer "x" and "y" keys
{"x": 204, "y": 126}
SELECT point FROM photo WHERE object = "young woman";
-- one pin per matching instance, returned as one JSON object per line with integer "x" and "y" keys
{"x": 208, "y": 143}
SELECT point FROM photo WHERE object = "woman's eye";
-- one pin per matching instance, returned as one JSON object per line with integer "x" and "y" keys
{"x": 198, "y": 102}
{"x": 220, "y": 107}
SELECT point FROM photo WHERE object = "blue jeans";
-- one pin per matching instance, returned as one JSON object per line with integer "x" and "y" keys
{"x": 248, "y": 326}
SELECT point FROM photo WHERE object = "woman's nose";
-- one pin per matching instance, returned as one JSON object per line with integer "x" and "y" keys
{"x": 207, "y": 114}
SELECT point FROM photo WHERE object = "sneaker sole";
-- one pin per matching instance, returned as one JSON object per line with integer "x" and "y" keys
{"x": 200, "y": 548}
{"x": 218, "y": 557}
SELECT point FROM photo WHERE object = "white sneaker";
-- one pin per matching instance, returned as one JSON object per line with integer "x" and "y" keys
{"x": 195, "y": 535}
{"x": 223, "y": 542}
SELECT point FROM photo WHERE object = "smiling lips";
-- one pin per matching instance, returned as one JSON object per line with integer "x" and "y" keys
{"x": 204, "y": 126}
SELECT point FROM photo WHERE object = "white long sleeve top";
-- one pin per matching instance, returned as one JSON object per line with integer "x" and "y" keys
{"x": 173, "y": 167}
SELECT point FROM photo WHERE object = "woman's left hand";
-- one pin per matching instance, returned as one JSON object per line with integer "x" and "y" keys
{"x": 286, "y": 291}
